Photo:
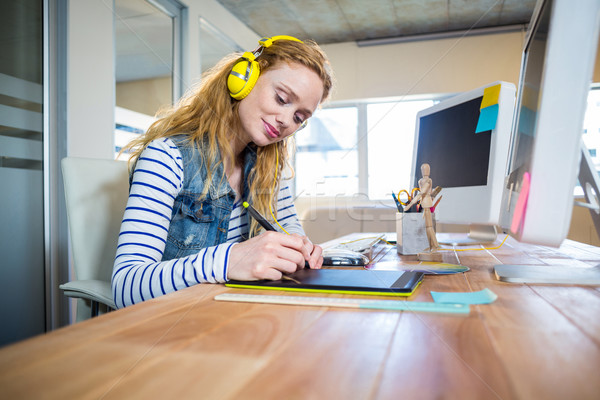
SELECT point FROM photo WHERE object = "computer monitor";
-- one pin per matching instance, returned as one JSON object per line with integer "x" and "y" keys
{"x": 465, "y": 140}
{"x": 546, "y": 147}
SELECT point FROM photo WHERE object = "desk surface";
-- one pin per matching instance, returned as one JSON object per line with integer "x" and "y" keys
{"x": 534, "y": 342}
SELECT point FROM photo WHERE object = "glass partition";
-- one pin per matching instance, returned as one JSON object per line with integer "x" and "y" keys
{"x": 22, "y": 275}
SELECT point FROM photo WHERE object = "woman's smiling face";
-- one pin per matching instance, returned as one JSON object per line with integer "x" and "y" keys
{"x": 283, "y": 98}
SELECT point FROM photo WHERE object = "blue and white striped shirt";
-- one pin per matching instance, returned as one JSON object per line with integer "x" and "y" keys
{"x": 138, "y": 273}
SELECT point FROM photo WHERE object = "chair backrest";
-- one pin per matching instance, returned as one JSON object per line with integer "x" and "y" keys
{"x": 96, "y": 193}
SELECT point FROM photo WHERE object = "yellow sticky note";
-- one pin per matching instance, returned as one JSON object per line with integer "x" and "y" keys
{"x": 490, "y": 96}
{"x": 530, "y": 97}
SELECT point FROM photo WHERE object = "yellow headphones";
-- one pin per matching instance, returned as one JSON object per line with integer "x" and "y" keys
{"x": 244, "y": 74}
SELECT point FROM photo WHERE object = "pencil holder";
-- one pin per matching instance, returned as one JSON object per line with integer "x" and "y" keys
{"x": 412, "y": 236}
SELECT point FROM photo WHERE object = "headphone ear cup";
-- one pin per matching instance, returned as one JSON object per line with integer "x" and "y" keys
{"x": 242, "y": 78}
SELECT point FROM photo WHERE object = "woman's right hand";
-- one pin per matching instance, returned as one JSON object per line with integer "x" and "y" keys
{"x": 266, "y": 256}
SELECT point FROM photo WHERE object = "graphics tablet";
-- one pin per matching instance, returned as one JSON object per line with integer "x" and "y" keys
{"x": 349, "y": 281}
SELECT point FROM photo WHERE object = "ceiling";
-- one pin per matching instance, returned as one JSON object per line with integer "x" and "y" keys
{"x": 334, "y": 21}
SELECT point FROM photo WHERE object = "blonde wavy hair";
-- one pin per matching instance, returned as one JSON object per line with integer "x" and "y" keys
{"x": 208, "y": 115}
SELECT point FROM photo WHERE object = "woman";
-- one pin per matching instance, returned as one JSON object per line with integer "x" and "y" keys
{"x": 223, "y": 144}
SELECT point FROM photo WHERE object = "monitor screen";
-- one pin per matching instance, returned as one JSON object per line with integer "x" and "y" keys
{"x": 448, "y": 143}
{"x": 545, "y": 148}
{"x": 465, "y": 140}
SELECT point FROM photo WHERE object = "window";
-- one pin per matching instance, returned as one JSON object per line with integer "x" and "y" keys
{"x": 327, "y": 155}
{"x": 362, "y": 150}
{"x": 391, "y": 131}
{"x": 148, "y": 71}
{"x": 591, "y": 124}
{"x": 366, "y": 149}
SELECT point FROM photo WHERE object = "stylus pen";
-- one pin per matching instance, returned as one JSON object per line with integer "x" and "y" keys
{"x": 263, "y": 222}
{"x": 259, "y": 218}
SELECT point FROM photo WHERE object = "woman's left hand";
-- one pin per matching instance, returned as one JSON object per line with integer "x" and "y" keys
{"x": 312, "y": 252}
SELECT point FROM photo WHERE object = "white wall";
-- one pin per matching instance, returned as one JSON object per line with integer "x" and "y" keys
{"x": 90, "y": 79}
{"x": 424, "y": 67}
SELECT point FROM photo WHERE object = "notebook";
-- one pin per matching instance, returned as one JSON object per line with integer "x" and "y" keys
{"x": 348, "y": 281}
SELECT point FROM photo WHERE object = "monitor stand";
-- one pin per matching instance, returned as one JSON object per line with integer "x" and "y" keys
{"x": 554, "y": 274}
{"x": 563, "y": 274}
{"x": 478, "y": 234}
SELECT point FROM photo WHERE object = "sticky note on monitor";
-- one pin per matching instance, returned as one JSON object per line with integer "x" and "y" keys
{"x": 530, "y": 97}
{"x": 527, "y": 119}
{"x": 487, "y": 118}
{"x": 491, "y": 96}
{"x": 521, "y": 206}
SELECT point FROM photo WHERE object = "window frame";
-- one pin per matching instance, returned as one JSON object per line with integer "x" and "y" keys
{"x": 178, "y": 12}
{"x": 362, "y": 131}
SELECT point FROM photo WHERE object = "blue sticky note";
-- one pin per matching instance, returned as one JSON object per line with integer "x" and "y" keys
{"x": 527, "y": 121}
{"x": 485, "y": 296}
{"x": 487, "y": 118}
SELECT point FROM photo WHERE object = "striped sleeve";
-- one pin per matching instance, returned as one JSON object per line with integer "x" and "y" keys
{"x": 286, "y": 212}
{"x": 138, "y": 272}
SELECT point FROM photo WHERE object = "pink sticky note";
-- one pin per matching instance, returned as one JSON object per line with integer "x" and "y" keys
{"x": 520, "y": 208}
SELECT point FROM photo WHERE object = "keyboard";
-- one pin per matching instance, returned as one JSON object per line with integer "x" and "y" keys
{"x": 359, "y": 243}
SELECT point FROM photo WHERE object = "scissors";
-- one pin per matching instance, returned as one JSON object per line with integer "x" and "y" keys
{"x": 409, "y": 196}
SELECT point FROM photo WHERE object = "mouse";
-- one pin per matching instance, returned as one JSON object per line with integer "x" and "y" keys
{"x": 342, "y": 257}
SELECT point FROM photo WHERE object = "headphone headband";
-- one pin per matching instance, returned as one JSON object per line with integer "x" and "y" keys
{"x": 268, "y": 41}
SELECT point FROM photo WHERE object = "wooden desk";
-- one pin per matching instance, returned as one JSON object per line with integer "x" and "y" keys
{"x": 534, "y": 342}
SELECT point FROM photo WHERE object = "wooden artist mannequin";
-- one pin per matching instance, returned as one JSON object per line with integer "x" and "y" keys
{"x": 425, "y": 189}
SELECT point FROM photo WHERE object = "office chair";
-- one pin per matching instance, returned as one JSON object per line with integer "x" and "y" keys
{"x": 96, "y": 193}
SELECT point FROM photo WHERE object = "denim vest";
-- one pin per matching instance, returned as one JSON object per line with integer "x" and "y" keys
{"x": 199, "y": 224}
